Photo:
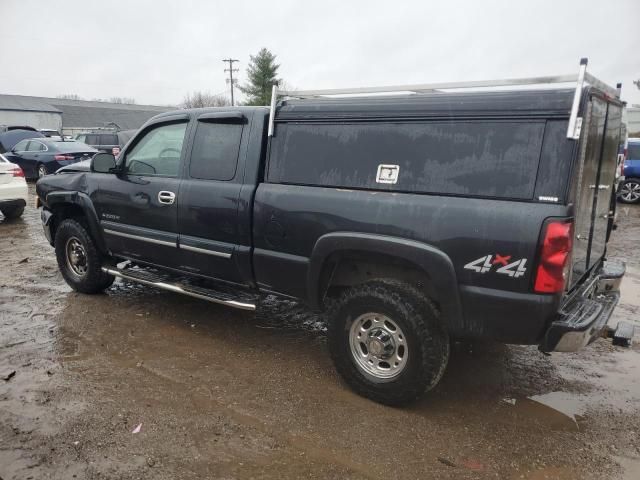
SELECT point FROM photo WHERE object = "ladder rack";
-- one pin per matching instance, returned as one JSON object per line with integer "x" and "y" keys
{"x": 575, "y": 122}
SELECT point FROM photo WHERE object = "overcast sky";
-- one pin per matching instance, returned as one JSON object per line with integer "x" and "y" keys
{"x": 156, "y": 51}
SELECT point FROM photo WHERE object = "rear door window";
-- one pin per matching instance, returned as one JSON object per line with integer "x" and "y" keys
{"x": 35, "y": 146}
{"x": 215, "y": 151}
{"x": 471, "y": 158}
{"x": 633, "y": 151}
{"x": 108, "y": 139}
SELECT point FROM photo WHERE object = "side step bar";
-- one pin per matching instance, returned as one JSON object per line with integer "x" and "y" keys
{"x": 211, "y": 295}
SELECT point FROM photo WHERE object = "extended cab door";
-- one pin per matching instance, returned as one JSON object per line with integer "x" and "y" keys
{"x": 138, "y": 207}
{"x": 211, "y": 219}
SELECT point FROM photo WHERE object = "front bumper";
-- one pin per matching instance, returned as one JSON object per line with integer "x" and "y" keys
{"x": 585, "y": 314}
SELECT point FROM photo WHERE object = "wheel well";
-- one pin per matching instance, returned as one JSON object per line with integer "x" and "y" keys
{"x": 348, "y": 268}
{"x": 63, "y": 211}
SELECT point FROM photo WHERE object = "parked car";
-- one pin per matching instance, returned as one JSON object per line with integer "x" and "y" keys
{"x": 8, "y": 128}
{"x": 10, "y": 138}
{"x": 110, "y": 142}
{"x": 629, "y": 190}
{"x": 49, "y": 133}
{"x": 13, "y": 189}
{"x": 412, "y": 220}
{"x": 41, "y": 156}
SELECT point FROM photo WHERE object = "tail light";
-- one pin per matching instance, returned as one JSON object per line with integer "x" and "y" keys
{"x": 115, "y": 151}
{"x": 555, "y": 252}
{"x": 17, "y": 172}
{"x": 62, "y": 157}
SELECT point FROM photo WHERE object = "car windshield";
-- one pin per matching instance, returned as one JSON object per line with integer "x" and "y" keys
{"x": 633, "y": 151}
{"x": 73, "y": 147}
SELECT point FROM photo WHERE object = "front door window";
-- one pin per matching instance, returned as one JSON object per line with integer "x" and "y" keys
{"x": 158, "y": 152}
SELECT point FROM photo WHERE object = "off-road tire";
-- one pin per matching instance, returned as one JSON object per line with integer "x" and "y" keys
{"x": 94, "y": 279}
{"x": 11, "y": 213}
{"x": 427, "y": 340}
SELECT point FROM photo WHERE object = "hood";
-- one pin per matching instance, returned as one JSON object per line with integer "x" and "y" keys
{"x": 10, "y": 138}
{"x": 83, "y": 166}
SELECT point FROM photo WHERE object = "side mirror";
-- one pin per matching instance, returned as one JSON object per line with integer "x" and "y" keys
{"x": 103, "y": 163}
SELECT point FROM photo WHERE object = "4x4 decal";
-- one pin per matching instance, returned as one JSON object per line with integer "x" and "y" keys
{"x": 514, "y": 269}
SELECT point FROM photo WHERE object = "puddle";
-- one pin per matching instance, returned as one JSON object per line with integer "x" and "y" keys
{"x": 631, "y": 467}
{"x": 571, "y": 405}
{"x": 554, "y": 410}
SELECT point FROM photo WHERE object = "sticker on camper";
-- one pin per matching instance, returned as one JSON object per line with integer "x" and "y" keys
{"x": 502, "y": 263}
{"x": 388, "y": 173}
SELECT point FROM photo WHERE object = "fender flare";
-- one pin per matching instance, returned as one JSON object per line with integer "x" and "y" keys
{"x": 432, "y": 261}
{"x": 83, "y": 201}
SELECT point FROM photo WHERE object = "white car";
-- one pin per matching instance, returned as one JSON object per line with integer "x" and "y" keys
{"x": 13, "y": 189}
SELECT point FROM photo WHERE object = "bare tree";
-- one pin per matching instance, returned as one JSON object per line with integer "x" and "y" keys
{"x": 127, "y": 100}
{"x": 637, "y": 83}
{"x": 69, "y": 96}
{"x": 204, "y": 99}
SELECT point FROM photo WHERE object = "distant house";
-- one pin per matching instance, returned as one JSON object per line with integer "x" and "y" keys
{"x": 73, "y": 116}
{"x": 633, "y": 121}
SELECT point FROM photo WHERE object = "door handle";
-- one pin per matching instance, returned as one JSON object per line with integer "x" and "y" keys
{"x": 166, "y": 197}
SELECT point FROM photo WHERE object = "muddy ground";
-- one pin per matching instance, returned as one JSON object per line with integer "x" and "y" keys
{"x": 226, "y": 394}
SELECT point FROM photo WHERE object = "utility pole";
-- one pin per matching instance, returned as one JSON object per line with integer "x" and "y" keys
{"x": 230, "y": 80}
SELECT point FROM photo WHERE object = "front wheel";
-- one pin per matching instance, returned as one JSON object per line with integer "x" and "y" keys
{"x": 387, "y": 342}
{"x": 629, "y": 191}
{"x": 78, "y": 258}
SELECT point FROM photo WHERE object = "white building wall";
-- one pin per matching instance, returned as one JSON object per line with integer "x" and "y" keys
{"x": 633, "y": 121}
{"x": 36, "y": 120}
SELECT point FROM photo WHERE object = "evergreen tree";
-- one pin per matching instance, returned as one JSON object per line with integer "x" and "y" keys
{"x": 262, "y": 75}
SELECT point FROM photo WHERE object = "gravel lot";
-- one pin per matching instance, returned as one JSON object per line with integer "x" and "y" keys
{"x": 226, "y": 394}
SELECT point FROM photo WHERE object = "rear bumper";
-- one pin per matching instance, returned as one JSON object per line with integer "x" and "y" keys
{"x": 585, "y": 314}
{"x": 20, "y": 202}
{"x": 14, "y": 192}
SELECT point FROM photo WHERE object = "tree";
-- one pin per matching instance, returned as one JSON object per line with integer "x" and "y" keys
{"x": 204, "y": 99}
{"x": 69, "y": 96}
{"x": 637, "y": 83}
{"x": 126, "y": 100}
{"x": 262, "y": 76}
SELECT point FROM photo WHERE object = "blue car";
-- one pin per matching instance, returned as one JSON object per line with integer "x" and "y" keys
{"x": 629, "y": 190}
{"x": 41, "y": 156}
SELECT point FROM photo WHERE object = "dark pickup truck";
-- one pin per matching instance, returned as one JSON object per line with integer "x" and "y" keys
{"x": 413, "y": 219}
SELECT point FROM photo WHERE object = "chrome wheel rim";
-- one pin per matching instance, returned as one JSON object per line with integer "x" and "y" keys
{"x": 630, "y": 191}
{"x": 76, "y": 257}
{"x": 42, "y": 171}
{"x": 378, "y": 346}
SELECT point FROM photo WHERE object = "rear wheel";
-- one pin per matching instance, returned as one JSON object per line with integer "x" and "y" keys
{"x": 387, "y": 342}
{"x": 12, "y": 213}
{"x": 629, "y": 191}
{"x": 78, "y": 258}
{"x": 42, "y": 171}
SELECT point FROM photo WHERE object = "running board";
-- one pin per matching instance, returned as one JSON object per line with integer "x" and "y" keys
{"x": 165, "y": 283}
